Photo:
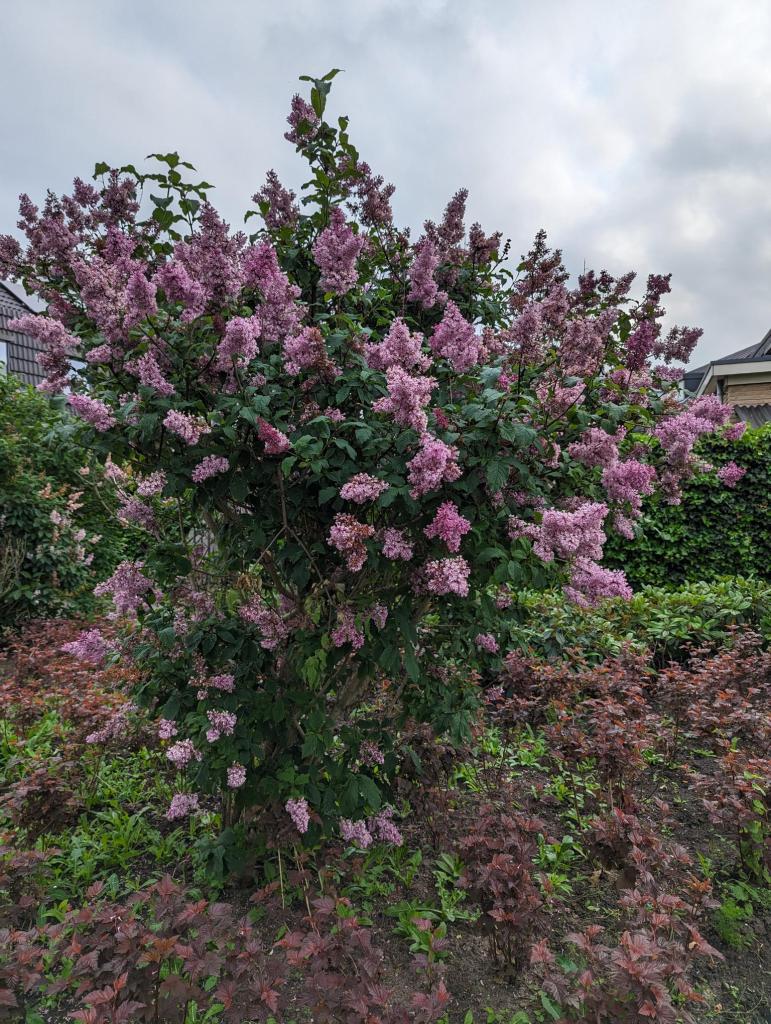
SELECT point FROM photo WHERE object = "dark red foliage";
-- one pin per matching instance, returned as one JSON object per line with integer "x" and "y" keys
{"x": 498, "y": 854}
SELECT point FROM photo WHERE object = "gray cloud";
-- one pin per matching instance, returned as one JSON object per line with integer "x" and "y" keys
{"x": 637, "y": 134}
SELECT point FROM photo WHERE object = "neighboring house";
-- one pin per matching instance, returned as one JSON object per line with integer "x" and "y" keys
{"x": 741, "y": 379}
{"x": 18, "y": 352}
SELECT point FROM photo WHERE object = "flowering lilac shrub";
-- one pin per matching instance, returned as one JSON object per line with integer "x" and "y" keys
{"x": 367, "y": 440}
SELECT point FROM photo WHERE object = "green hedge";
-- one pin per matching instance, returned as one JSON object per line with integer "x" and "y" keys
{"x": 41, "y": 573}
{"x": 716, "y": 531}
{"x": 662, "y": 621}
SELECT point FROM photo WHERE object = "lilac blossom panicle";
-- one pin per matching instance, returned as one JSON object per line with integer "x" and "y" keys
{"x": 307, "y": 351}
{"x": 224, "y": 682}
{"x": 336, "y": 251}
{"x": 448, "y": 525}
{"x": 398, "y": 348}
{"x": 347, "y": 632}
{"x": 269, "y": 622}
{"x": 396, "y": 544}
{"x": 236, "y": 776}
{"x": 303, "y": 122}
{"x": 434, "y": 464}
{"x": 362, "y": 488}
{"x": 89, "y": 647}
{"x": 730, "y": 474}
{"x": 58, "y": 343}
{"x": 167, "y": 729}
{"x": 445, "y": 576}
{"x": 132, "y": 510}
{"x": 208, "y": 467}
{"x": 275, "y": 442}
{"x": 239, "y": 343}
{"x": 150, "y": 375}
{"x": 407, "y": 398}
{"x": 299, "y": 813}
{"x": 151, "y": 485}
{"x": 127, "y": 587}
{"x": 356, "y": 833}
{"x": 424, "y": 289}
{"x": 280, "y": 209}
{"x": 347, "y": 535}
{"x": 222, "y": 724}
{"x": 279, "y": 312}
{"x": 116, "y": 726}
{"x": 92, "y": 411}
{"x": 382, "y": 827}
{"x": 455, "y": 339}
{"x": 591, "y": 583}
{"x": 189, "y": 428}
{"x": 487, "y": 642}
{"x": 182, "y": 804}
{"x": 182, "y": 753}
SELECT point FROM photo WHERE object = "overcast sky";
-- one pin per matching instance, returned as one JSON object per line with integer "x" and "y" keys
{"x": 637, "y": 133}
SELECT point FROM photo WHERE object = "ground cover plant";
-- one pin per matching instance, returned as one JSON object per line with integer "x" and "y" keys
{"x": 601, "y": 853}
{"x": 316, "y": 760}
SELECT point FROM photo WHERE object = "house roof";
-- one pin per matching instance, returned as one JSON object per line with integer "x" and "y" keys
{"x": 22, "y": 349}
{"x": 759, "y": 353}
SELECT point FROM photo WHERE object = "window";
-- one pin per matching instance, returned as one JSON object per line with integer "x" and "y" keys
{"x": 4, "y": 358}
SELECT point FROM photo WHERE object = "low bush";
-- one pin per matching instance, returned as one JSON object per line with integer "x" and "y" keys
{"x": 666, "y": 623}
{"x": 59, "y": 534}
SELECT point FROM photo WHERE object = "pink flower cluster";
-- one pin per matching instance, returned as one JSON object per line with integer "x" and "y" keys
{"x": 127, "y": 587}
{"x": 299, "y": 813}
{"x": 590, "y": 583}
{"x": 182, "y": 804}
{"x": 151, "y": 485}
{"x": 236, "y": 776}
{"x": 424, "y": 289}
{"x": 58, "y": 343}
{"x": 445, "y": 576}
{"x": 629, "y": 481}
{"x": 270, "y": 623}
{"x": 149, "y": 374}
{"x": 407, "y": 398}
{"x": 396, "y": 545}
{"x": 487, "y": 642}
{"x": 448, "y": 525}
{"x": 370, "y": 754}
{"x": 89, "y": 647}
{"x": 239, "y": 343}
{"x": 398, "y": 348}
{"x": 347, "y": 632}
{"x": 362, "y": 833}
{"x": 275, "y": 442}
{"x": 182, "y": 753}
{"x": 92, "y": 411}
{"x": 166, "y": 729}
{"x": 565, "y": 535}
{"x": 306, "y": 351}
{"x": 189, "y": 428}
{"x": 336, "y": 251}
{"x": 455, "y": 339}
{"x": 434, "y": 464}
{"x": 730, "y": 474}
{"x": 597, "y": 447}
{"x": 279, "y": 312}
{"x": 362, "y": 488}
{"x": 208, "y": 467}
{"x": 222, "y": 724}
{"x": 347, "y": 535}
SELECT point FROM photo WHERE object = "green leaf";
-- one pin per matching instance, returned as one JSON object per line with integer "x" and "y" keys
{"x": 497, "y": 474}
